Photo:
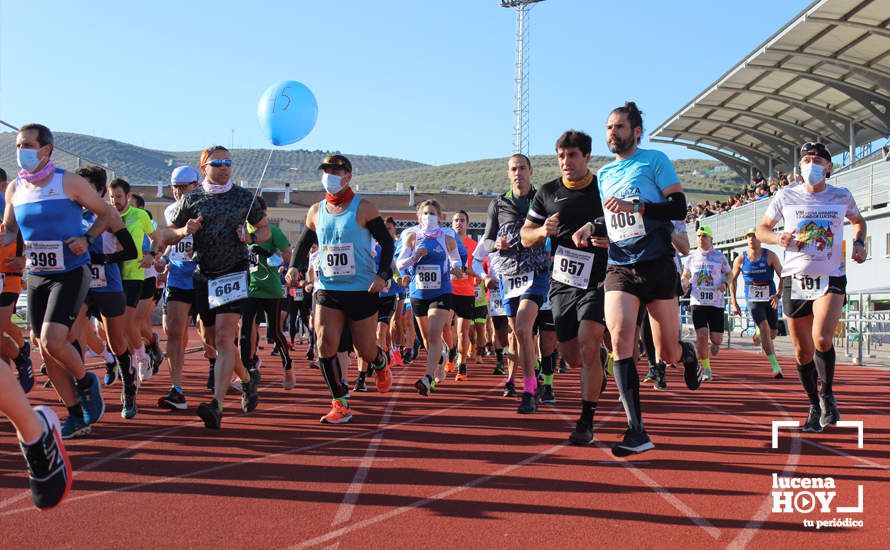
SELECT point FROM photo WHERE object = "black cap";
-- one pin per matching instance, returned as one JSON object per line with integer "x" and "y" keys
{"x": 336, "y": 161}
{"x": 815, "y": 148}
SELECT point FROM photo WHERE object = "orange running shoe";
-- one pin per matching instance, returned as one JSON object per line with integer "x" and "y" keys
{"x": 461, "y": 372}
{"x": 449, "y": 366}
{"x": 384, "y": 379}
{"x": 339, "y": 414}
{"x": 397, "y": 358}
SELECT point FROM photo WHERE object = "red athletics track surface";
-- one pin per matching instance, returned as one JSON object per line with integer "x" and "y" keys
{"x": 460, "y": 469}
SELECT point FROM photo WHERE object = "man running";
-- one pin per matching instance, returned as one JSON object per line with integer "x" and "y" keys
{"x": 642, "y": 194}
{"x": 758, "y": 267}
{"x": 705, "y": 274}
{"x": 814, "y": 280}
{"x": 559, "y": 209}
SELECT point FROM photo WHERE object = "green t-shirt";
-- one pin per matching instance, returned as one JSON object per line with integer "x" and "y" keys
{"x": 138, "y": 225}
{"x": 265, "y": 282}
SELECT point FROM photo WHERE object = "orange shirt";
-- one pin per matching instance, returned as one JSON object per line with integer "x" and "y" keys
{"x": 464, "y": 287}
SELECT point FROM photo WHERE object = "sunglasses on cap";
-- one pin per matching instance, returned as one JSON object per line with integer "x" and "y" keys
{"x": 335, "y": 161}
{"x": 182, "y": 186}
{"x": 815, "y": 148}
{"x": 219, "y": 163}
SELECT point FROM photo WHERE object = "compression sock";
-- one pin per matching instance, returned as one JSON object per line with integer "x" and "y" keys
{"x": 774, "y": 362}
{"x": 333, "y": 375}
{"x": 628, "y": 381}
{"x": 529, "y": 384}
{"x": 588, "y": 409}
{"x": 76, "y": 345}
{"x": 824, "y": 361}
{"x": 499, "y": 353}
{"x": 808, "y": 377}
{"x": 123, "y": 362}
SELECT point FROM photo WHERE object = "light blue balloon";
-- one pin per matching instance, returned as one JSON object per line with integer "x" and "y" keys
{"x": 287, "y": 112}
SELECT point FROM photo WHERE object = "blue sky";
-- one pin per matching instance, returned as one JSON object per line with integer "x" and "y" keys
{"x": 420, "y": 80}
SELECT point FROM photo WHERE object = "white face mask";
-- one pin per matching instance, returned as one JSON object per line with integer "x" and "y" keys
{"x": 812, "y": 173}
{"x": 332, "y": 183}
{"x": 429, "y": 221}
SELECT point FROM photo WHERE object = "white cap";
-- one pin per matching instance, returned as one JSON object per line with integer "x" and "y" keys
{"x": 183, "y": 174}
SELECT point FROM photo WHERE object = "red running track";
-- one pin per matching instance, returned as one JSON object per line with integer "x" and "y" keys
{"x": 460, "y": 469}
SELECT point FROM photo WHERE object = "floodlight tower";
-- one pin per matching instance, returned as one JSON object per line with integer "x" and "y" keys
{"x": 520, "y": 111}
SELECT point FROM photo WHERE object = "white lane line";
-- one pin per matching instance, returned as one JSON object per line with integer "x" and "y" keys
{"x": 350, "y": 498}
{"x": 321, "y": 539}
{"x": 235, "y": 464}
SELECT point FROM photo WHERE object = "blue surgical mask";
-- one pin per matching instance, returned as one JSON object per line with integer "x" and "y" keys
{"x": 27, "y": 159}
{"x": 332, "y": 183}
{"x": 812, "y": 173}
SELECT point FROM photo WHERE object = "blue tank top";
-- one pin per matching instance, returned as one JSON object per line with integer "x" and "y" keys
{"x": 758, "y": 273}
{"x": 344, "y": 248}
{"x": 46, "y": 217}
{"x": 181, "y": 269}
{"x": 431, "y": 271}
{"x": 103, "y": 278}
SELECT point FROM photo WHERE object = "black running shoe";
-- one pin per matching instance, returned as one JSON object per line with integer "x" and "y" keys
{"x": 128, "y": 401}
{"x": 26, "y": 373}
{"x": 249, "y": 395}
{"x": 563, "y": 368}
{"x": 174, "y": 400}
{"x": 528, "y": 405}
{"x": 360, "y": 384}
{"x": 692, "y": 372}
{"x": 830, "y": 414}
{"x": 650, "y": 374}
{"x": 49, "y": 470}
{"x": 110, "y": 374}
{"x": 423, "y": 385}
{"x": 812, "y": 423}
{"x": 660, "y": 378}
{"x": 210, "y": 414}
{"x": 635, "y": 441}
{"x": 499, "y": 368}
{"x": 547, "y": 394}
{"x": 583, "y": 434}
{"x": 509, "y": 389}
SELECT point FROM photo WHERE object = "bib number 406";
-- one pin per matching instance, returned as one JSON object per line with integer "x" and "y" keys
{"x": 620, "y": 220}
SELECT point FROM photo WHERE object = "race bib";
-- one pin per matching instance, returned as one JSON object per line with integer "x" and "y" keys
{"x": 808, "y": 287}
{"x": 44, "y": 256}
{"x": 182, "y": 251}
{"x": 758, "y": 293}
{"x": 516, "y": 285}
{"x": 706, "y": 296}
{"x": 226, "y": 289}
{"x": 572, "y": 267}
{"x": 624, "y": 225}
{"x": 298, "y": 294}
{"x": 478, "y": 293}
{"x": 97, "y": 276}
{"x": 427, "y": 277}
{"x": 337, "y": 260}
{"x": 496, "y": 305}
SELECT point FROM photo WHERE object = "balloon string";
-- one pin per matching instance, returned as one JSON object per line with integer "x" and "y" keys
{"x": 259, "y": 185}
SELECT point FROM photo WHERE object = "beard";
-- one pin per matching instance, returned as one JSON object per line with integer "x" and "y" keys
{"x": 619, "y": 146}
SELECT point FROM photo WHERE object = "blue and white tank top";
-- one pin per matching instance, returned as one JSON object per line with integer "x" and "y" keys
{"x": 181, "y": 269}
{"x": 431, "y": 277}
{"x": 107, "y": 277}
{"x": 758, "y": 274}
{"x": 344, "y": 250}
{"x": 47, "y": 217}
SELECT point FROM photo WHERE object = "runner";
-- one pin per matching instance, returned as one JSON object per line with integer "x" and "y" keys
{"x": 428, "y": 254}
{"x": 45, "y": 204}
{"x": 814, "y": 279}
{"x": 342, "y": 225}
{"x": 642, "y": 194}
{"x": 148, "y": 298}
{"x": 758, "y": 265}
{"x": 215, "y": 215}
{"x": 464, "y": 290}
{"x": 560, "y": 208}
{"x": 522, "y": 272}
{"x": 704, "y": 274}
{"x": 15, "y": 349}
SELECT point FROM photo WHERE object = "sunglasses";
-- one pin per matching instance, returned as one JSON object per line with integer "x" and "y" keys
{"x": 182, "y": 186}
{"x": 219, "y": 163}
{"x": 814, "y": 148}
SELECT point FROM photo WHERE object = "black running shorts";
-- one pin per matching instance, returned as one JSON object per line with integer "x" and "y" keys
{"x": 356, "y": 304}
{"x": 571, "y": 305}
{"x": 709, "y": 317}
{"x": 804, "y": 308}
{"x": 422, "y": 307}
{"x": 57, "y": 298}
{"x": 653, "y": 280}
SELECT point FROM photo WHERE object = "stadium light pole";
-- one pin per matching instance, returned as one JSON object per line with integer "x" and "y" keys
{"x": 520, "y": 110}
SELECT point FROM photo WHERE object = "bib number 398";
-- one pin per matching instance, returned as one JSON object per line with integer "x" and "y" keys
{"x": 44, "y": 256}
{"x": 808, "y": 287}
{"x": 226, "y": 289}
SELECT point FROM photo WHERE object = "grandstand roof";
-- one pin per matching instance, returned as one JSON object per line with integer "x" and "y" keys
{"x": 824, "y": 75}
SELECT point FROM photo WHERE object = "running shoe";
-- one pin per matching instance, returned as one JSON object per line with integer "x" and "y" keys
{"x": 90, "y": 397}
{"x": 528, "y": 404}
{"x": 499, "y": 368}
{"x": 461, "y": 372}
{"x": 547, "y": 395}
{"x": 25, "y": 370}
{"x": 313, "y": 364}
{"x": 563, "y": 368}
{"x": 830, "y": 414}
{"x": 276, "y": 351}
{"x": 310, "y": 354}
{"x": 692, "y": 372}
{"x": 339, "y": 414}
{"x": 408, "y": 356}
{"x": 650, "y": 374}
{"x": 174, "y": 400}
{"x": 509, "y": 389}
{"x": 49, "y": 470}
{"x": 110, "y": 373}
{"x": 128, "y": 400}
{"x": 756, "y": 336}
{"x": 249, "y": 395}
{"x": 812, "y": 423}
{"x": 360, "y": 384}
{"x": 384, "y": 379}
{"x": 715, "y": 350}
{"x": 777, "y": 373}
{"x": 155, "y": 357}
{"x": 449, "y": 366}
{"x": 210, "y": 414}
{"x": 290, "y": 379}
{"x": 660, "y": 377}
{"x": 397, "y": 358}
{"x": 75, "y": 427}
{"x": 211, "y": 379}
{"x": 583, "y": 434}
{"x": 634, "y": 441}
{"x": 707, "y": 375}
{"x": 423, "y": 385}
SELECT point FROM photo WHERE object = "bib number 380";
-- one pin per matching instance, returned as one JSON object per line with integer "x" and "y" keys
{"x": 227, "y": 289}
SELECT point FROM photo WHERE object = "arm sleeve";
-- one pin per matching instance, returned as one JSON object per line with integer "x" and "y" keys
{"x": 300, "y": 258}
{"x": 387, "y": 246}
{"x": 674, "y": 208}
{"x": 454, "y": 256}
{"x": 405, "y": 259}
{"x": 128, "y": 251}
{"x": 491, "y": 226}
